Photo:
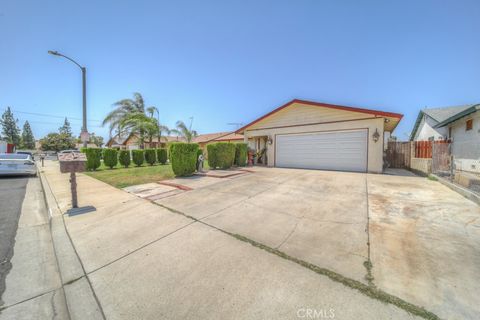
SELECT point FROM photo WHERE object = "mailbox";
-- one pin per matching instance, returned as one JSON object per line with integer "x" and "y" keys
{"x": 72, "y": 162}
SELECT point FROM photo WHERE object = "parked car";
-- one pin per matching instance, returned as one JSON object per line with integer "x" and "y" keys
{"x": 26, "y": 152}
{"x": 17, "y": 164}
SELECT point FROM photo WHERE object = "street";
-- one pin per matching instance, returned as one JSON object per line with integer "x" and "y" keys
{"x": 12, "y": 193}
{"x": 31, "y": 286}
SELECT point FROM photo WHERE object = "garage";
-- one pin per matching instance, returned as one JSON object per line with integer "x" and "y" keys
{"x": 313, "y": 135}
{"x": 333, "y": 150}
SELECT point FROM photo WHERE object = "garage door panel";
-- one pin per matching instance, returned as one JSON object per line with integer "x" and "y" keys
{"x": 336, "y": 150}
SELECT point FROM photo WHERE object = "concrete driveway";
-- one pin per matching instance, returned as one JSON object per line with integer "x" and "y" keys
{"x": 424, "y": 238}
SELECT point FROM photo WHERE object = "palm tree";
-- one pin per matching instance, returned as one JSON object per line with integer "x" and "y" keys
{"x": 124, "y": 108}
{"x": 161, "y": 128}
{"x": 186, "y": 132}
{"x": 140, "y": 124}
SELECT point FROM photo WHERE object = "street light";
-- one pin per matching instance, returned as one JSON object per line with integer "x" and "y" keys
{"x": 84, "y": 131}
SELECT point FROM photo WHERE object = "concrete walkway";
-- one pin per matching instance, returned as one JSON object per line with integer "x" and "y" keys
{"x": 140, "y": 260}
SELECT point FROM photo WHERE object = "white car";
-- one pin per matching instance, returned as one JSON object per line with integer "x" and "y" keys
{"x": 17, "y": 164}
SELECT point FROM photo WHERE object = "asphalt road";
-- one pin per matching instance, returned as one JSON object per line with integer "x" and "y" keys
{"x": 12, "y": 193}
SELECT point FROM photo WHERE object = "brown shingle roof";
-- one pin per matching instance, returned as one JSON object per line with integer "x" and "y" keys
{"x": 231, "y": 136}
{"x": 209, "y": 137}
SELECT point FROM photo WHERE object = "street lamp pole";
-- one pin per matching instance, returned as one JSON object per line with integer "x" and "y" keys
{"x": 84, "y": 131}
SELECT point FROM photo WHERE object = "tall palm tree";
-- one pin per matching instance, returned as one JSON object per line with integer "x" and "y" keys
{"x": 186, "y": 132}
{"x": 140, "y": 124}
{"x": 123, "y": 109}
{"x": 161, "y": 128}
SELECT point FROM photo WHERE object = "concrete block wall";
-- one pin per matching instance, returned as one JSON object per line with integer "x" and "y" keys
{"x": 421, "y": 165}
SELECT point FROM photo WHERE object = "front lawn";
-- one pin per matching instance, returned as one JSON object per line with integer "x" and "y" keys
{"x": 121, "y": 177}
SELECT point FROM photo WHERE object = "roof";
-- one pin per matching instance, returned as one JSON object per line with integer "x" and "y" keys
{"x": 231, "y": 136}
{"x": 459, "y": 115}
{"x": 376, "y": 113}
{"x": 438, "y": 114}
{"x": 209, "y": 137}
{"x": 116, "y": 140}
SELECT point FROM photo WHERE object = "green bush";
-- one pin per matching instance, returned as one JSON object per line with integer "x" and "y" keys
{"x": 241, "y": 150}
{"x": 150, "y": 156}
{"x": 93, "y": 158}
{"x": 124, "y": 158}
{"x": 83, "y": 149}
{"x": 183, "y": 157}
{"x": 110, "y": 157}
{"x": 223, "y": 154}
{"x": 162, "y": 156}
{"x": 212, "y": 155}
{"x": 138, "y": 157}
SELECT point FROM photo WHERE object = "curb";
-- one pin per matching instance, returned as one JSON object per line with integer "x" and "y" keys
{"x": 461, "y": 190}
{"x": 81, "y": 300}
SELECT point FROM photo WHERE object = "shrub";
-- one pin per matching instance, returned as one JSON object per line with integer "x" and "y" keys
{"x": 150, "y": 156}
{"x": 138, "y": 157}
{"x": 124, "y": 158}
{"x": 241, "y": 150}
{"x": 183, "y": 158}
{"x": 93, "y": 158}
{"x": 162, "y": 156}
{"x": 83, "y": 149}
{"x": 223, "y": 154}
{"x": 212, "y": 155}
{"x": 110, "y": 157}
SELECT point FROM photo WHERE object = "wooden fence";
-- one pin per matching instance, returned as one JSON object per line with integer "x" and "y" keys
{"x": 398, "y": 154}
{"x": 423, "y": 149}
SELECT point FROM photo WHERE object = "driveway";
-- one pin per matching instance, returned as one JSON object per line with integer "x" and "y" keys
{"x": 424, "y": 238}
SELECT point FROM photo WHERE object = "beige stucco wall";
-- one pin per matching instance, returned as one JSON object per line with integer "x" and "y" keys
{"x": 293, "y": 120}
{"x": 423, "y": 165}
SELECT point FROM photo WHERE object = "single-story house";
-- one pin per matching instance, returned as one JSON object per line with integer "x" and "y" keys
{"x": 130, "y": 142}
{"x": 463, "y": 129}
{"x": 426, "y": 128}
{"x": 313, "y": 135}
{"x": 204, "y": 139}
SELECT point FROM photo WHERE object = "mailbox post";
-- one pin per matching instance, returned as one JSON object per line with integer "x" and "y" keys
{"x": 72, "y": 163}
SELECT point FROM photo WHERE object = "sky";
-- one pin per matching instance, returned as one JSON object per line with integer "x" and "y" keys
{"x": 224, "y": 62}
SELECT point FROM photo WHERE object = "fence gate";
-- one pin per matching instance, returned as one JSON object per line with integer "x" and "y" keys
{"x": 441, "y": 159}
{"x": 398, "y": 154}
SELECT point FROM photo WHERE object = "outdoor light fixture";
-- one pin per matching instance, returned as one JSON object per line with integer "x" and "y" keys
{"x": 269, "y": 140}
{"x": 376, "y": 135}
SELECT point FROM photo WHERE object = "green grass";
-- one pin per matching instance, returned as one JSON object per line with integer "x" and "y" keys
{"x": 121, "y": 177}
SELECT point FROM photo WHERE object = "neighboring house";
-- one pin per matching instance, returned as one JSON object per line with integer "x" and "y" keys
{"x": 131, "y": 142}
{"x": 425, "y": 127}
{"x": 463, "y": 129}
{"x": 231, "y": 137}
{"x": 312, "y": 135}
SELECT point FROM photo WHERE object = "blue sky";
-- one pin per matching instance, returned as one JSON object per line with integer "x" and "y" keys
{"x": 232, "y": 61}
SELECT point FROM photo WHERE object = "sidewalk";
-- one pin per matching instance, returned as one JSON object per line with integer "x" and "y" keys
{"x": 141, "y": 261}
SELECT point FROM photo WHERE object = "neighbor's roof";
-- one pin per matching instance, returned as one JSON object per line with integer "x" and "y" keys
{"x": 473, "y": 108}
{"x": 231, "y": 136}
{"x": 209, "y": 137}
{"x": 391, "y": 115}
{"x": 438, "y": 114}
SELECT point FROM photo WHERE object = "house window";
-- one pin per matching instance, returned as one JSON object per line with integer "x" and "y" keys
{"x": 469, "y": 124}
{"x": 449, "y": 132}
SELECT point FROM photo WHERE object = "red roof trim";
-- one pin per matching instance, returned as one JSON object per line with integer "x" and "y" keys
{"x": 326, "y": 105}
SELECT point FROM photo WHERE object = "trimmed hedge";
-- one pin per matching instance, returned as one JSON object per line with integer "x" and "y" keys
{"x": 221, "y": 154}
{"x": 124, "y": 158}
{"x": 150, "y": 156}
{"x": 241, "y": 150}
{"x": 138, "y": 157}
{"x": 212, "y": 155}
{"x": 162, "y": 156}
{"x": 110, "y": 157}
{"x": 183, "y": 157}
{"x": 83, "y": 149}
{"x": 93, "y": 158}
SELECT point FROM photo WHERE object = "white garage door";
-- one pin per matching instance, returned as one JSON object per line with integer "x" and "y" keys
{"x": 334, "y": 150}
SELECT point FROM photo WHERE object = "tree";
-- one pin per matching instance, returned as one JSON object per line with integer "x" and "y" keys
{"x": 140, "y": 124}
{"x": 123, "y": 109}
{"x": 186, "y": 132}
{"x": 97, "y": 140}
{"x": 66, "y": 129}
{"x": 28, "y": 140}
{"x": 56, "y": 142}
{"x": 10, "y": 129}
{"x": 161, "y": 128}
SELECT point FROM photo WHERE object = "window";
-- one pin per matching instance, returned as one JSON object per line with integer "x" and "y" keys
{"x": 469, "y": 124}
{"x": 449, "y": 132}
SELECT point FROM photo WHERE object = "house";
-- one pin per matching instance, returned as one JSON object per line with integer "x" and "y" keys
{"x": 208, "y": 138}
{"x": 425, "y": 127}
{"x": 463, "y": 129}
{"x": 313, "y": 135}
{"x": 131, "y": 142}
